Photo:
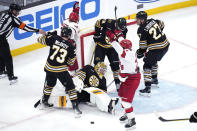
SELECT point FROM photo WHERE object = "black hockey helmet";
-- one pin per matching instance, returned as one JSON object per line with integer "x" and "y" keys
{"x": 66, "y": 31}
{"x": 141, "y": 15}
{"x": 14, "y": 7}
{"x": 121, "y": 23}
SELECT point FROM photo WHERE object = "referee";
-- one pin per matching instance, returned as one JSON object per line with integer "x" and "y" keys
{"x": 8, "y": 22}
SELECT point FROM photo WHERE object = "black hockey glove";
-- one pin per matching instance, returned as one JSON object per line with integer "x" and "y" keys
{"x": 99, "y": 38}
{"x": 52, "y": 33}
{"x": 139, "y": 53}
{"x": 193, "y": 117}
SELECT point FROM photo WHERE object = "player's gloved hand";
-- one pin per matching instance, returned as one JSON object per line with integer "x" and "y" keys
{"x": 193, "y": 117}
{"x": 111, "y": 36}
{"x": 52, "y": 33}
{"x": 118, "y": 33}
{"x": 42, "y": 32}
{"x": 78, "y": 83}
{"x": 139, "y": 53}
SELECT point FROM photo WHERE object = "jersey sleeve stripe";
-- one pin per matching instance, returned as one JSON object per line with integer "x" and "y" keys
{"x": 22, "y": 25}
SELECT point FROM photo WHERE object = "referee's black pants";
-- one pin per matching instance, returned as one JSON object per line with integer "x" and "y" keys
{"x": 6, "y": 62}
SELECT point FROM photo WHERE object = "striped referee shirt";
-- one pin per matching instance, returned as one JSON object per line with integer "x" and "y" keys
{"x": 8, "y": 22}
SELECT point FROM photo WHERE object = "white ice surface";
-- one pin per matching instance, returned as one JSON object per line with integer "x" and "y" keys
{"x": 176, "y": 97}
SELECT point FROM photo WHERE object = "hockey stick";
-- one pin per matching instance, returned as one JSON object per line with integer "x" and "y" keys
{"x": 36, "y": 104}
{"x": 110, "y": 83}
{"x": 92, "y": 55}
{"x": 168, "y": 120}
{"x": 115, "y": 10}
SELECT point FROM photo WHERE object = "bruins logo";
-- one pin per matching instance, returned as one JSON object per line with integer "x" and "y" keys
{"x": 93, "y": 80}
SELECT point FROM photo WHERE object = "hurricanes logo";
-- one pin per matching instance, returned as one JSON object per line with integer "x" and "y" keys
{"x": 93, "y": 80}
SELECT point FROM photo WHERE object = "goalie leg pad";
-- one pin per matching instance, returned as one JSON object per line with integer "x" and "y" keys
{"x": 99, "y": 97}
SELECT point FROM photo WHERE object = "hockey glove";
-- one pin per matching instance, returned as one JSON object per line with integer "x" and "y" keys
{"x": 52, "y": 33}
{"x": 139, "y": 53}
{"x": 110, "y": 36}
{"x": 193, "y": 117}
{"x": 118, "y": 33}
{"x": 78, "y": 83}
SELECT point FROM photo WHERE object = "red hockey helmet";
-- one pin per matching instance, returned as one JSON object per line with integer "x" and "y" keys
{"x": 76, "y": 7}
{"x": 127, "y": 44}
{"x": 74, "y": 17}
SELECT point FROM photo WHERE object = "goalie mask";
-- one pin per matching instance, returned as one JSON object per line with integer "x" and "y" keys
{"x": 101, "y": 69}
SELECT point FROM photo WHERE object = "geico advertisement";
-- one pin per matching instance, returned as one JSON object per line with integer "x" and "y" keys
{"x": 49, "y": 16}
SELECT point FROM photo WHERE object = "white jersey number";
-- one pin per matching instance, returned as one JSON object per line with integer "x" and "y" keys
{"x": 62, "y": 56}
{"x": 153, "y": 30}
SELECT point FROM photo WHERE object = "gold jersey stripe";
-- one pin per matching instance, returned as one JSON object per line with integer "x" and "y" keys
{"x": 104, "y": 46}
{"x": 56, "y": 66}
{"x": 55, "y": 70}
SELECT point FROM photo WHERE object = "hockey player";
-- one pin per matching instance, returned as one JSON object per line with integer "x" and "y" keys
{"x": 154, "y": 44}
{"x": 91, "y": 84}
{"x": 61, "y": 54}
{"x": 193, "y": 117}
{"x": 103, "y": 46}
{"x": 94, "y": 89}
{"x": 129, "y": 75}
{"x": 8, "y": 22}
{"x": 72, "y": 23}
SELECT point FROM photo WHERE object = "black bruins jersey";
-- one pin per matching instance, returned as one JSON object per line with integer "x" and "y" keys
{"x": 90, "y": 78}
{"x": 61, "y": 53}
{"x": 101, "y": 27}
{"x": 151, "y": 35}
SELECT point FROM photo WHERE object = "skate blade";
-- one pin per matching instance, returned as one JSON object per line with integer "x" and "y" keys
{"x": 145, "y": 94}
{"x": 154, "y": 85}
{"x": 13, "y": 82}
{"x": 77, "y": 115}
{"x": 123, "y": 122}
{"x": 3, "y": 76}
{"x": 43, "y": 107}
{"x": 131, "y": 128}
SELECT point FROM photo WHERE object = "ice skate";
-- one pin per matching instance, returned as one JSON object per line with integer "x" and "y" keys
{"x": 43, "y": 104}
{"x": 3, "y": 74}
{"x": 13, "y": 79}
{"x": 123, "y": 118}
{"x": 131, "y": 124}
{"x": 146, "y": 91}
{"x": 76, "y": 109}
{"x": 154, "y": 83}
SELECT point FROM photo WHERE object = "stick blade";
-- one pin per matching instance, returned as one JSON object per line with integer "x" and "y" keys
{"x": 162, "y": 119}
